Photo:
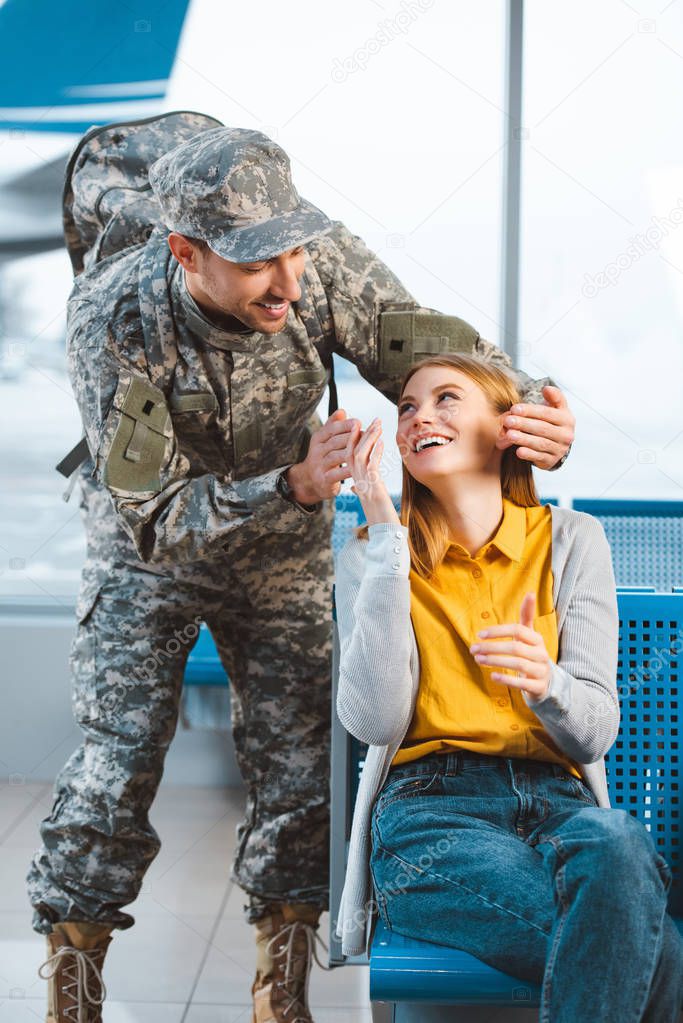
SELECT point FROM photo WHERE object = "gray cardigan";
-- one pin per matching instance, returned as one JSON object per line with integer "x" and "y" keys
{"x": 379, "y": 672}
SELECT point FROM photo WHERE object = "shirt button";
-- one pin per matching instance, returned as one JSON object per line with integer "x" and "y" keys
{"x": 398, "y": 535}
{"x": 396, "y": 566}
{"x": 502, "y": 703}
{"x": 476, "y": 572}
{"x": 397, "y": 550}
{"x": 485, "y": 614}
{"x": 515, "y": 728}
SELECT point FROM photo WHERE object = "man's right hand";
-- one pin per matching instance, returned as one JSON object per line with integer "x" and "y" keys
{"x": 320, "y": 475}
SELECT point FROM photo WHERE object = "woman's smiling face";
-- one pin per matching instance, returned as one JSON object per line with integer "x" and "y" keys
{"x": 446, "y": 402}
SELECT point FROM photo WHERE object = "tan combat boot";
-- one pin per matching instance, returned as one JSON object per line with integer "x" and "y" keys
{"x": 73, "y": 970}
{"x": 285, "y": 943}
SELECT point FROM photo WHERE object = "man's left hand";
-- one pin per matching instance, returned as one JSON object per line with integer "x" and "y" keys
{"x": 543, "y": 433}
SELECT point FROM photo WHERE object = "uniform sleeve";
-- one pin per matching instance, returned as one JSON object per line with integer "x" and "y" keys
{"x": 580, "y": 711}
{"x": 168, "y": 514}
{"x": 372, "y": 600}
{"x": 358, "y": 285}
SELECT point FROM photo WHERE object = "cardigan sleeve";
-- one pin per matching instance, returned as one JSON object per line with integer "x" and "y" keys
{"x": 580, "y": 710}
{"x": 372, "y": 598}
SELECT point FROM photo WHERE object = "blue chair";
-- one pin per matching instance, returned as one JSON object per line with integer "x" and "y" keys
{"x": 642, "y": 774}
{"x": 204, "y": 666}
{"x": 646, "y": 538}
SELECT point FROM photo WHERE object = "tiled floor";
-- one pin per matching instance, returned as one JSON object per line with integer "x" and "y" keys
{"x": 190, "y": 956}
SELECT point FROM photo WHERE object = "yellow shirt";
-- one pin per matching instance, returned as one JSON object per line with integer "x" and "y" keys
{"x": 458, "y": 705}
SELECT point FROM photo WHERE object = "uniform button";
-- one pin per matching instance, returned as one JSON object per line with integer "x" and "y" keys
{"x": 476, "y": 572}
{"x": 485, "y": 614}
{"x": 397, "y": 550}
{"x": 398, "y": 534}
{"x": 396, "y": 566}
{"x": 502, "y": 703}
{"x": 515, "y": 728}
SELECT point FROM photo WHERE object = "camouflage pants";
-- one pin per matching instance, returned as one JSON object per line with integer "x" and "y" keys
{"x": 269, "y": 610}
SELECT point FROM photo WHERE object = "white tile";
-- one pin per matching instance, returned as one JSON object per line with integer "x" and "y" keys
{"x": 21, "y": 953}
{"x": 234, "y": 907}
{"x": 14, "y": 864}
{"x": 181, "y": 804}
{"x": 203, "y": 1013}
{"x": 341, "y": 987}
{"x": 22, "y": 807}
{"x": 218, "y": 1014}
{"x": 187, "y": 881}
{"x": 13, "y": 1011}
{"x": 143, "y": 1012}
{"x": 156, "y": 960}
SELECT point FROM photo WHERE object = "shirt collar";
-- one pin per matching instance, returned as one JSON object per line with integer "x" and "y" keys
{"x": 511, "y": 533}
{"x": 202, "y": 326}
{"x": 510, "y": 536}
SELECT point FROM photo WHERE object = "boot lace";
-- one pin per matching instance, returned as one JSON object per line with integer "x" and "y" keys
{"x": 299, "y": 1001}
{"x": 78, "y": 973}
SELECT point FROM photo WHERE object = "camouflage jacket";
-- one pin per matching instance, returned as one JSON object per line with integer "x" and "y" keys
{"x": 189, "y": 426}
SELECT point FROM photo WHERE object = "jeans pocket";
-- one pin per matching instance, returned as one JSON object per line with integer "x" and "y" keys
{"x": 405, "y": 787}
{"x": 574, "y": 787}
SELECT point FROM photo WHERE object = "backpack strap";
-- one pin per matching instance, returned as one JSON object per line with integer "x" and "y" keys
{"x": 314, "y": 312}
{"x": 156, "y": 310}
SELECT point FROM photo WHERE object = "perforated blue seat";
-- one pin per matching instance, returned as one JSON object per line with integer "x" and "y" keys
{"x": 646, "y": 538}
{"x": 643, "y": 778}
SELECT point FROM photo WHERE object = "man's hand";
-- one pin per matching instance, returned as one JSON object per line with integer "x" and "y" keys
{"x": 543, "y": 432}
{"x": 525, "y": 652}
{"x": 319, "y": 476}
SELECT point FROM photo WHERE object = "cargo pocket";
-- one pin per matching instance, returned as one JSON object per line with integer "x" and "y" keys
{"x": 87, "y": 598}
{"x": 305, "y": 387}
{"x": 405, "y": 336}
{"x": 194, "y": 422}
{"x": 137, "y": 438}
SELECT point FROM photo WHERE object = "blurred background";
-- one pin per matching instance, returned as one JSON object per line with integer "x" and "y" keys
{"x": 394, "y": 117}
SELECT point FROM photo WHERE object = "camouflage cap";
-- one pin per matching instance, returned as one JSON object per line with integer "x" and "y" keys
{"x": 233, "y": 188}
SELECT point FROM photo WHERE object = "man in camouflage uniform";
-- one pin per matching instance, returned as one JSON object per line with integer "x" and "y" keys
{"x": 210, "y": 495}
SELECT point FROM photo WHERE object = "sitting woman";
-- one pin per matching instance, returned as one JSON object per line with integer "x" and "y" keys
{"x": 482, "y": 817}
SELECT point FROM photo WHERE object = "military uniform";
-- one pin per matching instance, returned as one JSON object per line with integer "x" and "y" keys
{"x": 190, "y": 427}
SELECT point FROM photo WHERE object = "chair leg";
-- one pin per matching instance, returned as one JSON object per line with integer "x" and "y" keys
{"x": 382, "y": 1012}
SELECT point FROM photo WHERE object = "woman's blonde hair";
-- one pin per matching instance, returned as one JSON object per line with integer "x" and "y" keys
{"x": 428, "y": 527}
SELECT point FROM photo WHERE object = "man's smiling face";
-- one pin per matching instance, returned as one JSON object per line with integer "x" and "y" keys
{"x": 254, "y": 295}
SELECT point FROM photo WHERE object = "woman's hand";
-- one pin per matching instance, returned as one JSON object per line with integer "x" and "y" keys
{"x": 526, "y": 653}
{"x": 363, "y": 456}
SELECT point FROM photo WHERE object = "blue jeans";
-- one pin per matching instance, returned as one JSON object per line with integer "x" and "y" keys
{"x": 512, "y": 860}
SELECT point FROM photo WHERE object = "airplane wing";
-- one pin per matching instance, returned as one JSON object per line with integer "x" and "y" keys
{"x": 31, "y": 211}
{"x": 67, "y": 66}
